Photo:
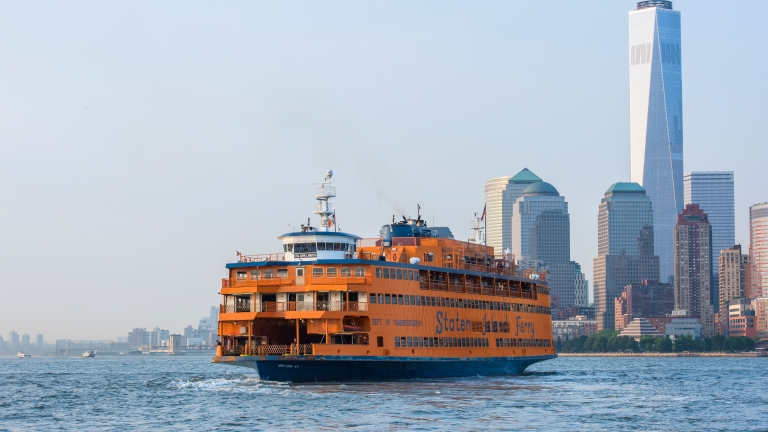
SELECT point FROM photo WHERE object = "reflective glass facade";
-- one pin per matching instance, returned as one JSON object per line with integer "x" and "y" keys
{"x": 625, "y": 247}
{"x": 713, "y": 192}
{"x": 500, "y": 195}
{"x": 656, "y": 119}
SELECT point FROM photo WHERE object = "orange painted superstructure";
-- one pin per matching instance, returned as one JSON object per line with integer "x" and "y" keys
{"x": 443, "y": 306}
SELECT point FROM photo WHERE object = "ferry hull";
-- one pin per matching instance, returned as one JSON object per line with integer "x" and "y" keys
{"x": 298, "y": 369}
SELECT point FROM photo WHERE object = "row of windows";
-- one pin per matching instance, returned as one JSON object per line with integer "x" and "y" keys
{"x": 316, "y": 272}
{"x": 334, "y": 272}
{"x": 388, "y": 273}
{"x": 448, "y": 302}
{"x": 522, "y": 343}
{"x": 440, "y": 342}
{"x": 319, "y": 246}
{"x": 400, "y": 274}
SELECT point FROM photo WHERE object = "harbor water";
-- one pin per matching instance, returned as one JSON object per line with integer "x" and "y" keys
{"x": 573, "y": 393}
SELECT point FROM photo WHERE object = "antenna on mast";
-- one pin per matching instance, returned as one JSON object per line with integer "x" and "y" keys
{"x": 323, "y": 193}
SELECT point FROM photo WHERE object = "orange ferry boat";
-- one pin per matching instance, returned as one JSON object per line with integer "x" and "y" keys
{"x": 412, "y": 303}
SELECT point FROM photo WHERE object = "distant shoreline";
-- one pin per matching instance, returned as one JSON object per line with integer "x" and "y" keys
{"x": 693, "y": 354}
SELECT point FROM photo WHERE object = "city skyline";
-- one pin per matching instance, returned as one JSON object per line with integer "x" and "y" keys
{"x": 120, "y": 169}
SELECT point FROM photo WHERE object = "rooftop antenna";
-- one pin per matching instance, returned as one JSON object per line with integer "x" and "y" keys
{"x": 323, "y": 193}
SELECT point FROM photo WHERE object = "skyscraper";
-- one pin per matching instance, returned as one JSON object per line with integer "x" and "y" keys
{"x": 500, "y": 195}
{"x": 656, "y": 117}
{"x": 39, "y": 341}
{"x": 758, "y": 249}
{"x": 693, "y": 266}
{"x": 713, "y": 192}
{"x": 624, "y": 247}
{"x": 541, "y": 237}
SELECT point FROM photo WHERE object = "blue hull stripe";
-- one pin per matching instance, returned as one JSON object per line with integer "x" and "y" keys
{"x": 375, "y": 368}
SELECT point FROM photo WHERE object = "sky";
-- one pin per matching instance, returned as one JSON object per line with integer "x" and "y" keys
{"x": 143, "y": 143}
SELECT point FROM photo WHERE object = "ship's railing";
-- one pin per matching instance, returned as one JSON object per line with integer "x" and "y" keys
{"x": 261, "y": 257}
{"x": 438, "y": 286}
{"x": 292, "y": 306}
{"x": 263, "y": 281}
{"x": 473, "y": 288}
{"x": 341, "y": 280}
{"x": 456, "y": 287}
{"x": 260, "y": 349}
{"x": 424, "y": 285}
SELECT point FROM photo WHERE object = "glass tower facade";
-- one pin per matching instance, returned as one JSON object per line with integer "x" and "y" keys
{"x": 625, "y": 235}
{"x": 758, "y": 249}
{"x": 713, "y": 192}
{"x": 500, "y": 195}
{"x": 656, "y": 118}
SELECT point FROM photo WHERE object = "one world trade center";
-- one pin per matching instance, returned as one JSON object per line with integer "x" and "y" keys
{"x": 656, "y": 118}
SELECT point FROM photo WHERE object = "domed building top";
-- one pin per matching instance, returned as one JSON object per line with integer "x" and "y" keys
{"x": 541, "y": 188}
{"x": 625, "y": 187}
{"x": 525, "y": 176}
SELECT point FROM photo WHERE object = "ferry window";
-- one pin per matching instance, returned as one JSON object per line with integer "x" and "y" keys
{"x": 320, "y": 246}
{"x": 299, "y": 272}
{"x": 419, "y": 342}
{"x": 399, "y": 299}
{"x": 282, "y": 273}
{"x": 381, "y": 298}
{"x": 407, "y": 300}
{"x": 412, "y": 299}
{"x": 345, "y": 272}
{"x": 269, "y": 274}
{"x": 255, "y": 275}
{"x": 402, "y": 341}
{"x": 317, "y": 272}
{"x": 387, "y": 299}
{"x": 337, "y": 246}
{"x": 372, "y": 298}
{"x": 386, "y": 273}
{"x": 378, "y": 272}
{"x": 410, "y": 275}
{"x": 380, "y": 341}
{"x": 241, "y": 275}
{"x": 399, "y": 274}
{"x": 346, "y": 247}
{"x": 410, "y": 341}
{"x": 331, "y": 272}
{"x": 397, "y": 341}
{"x": 418, "y": 301}
{"x": 359, "y": 271}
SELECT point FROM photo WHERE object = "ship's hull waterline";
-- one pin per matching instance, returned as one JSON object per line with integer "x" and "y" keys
{"x": 300, "y": 369}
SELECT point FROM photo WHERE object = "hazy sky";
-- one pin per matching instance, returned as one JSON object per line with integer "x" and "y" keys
{"x": 142, "y": 143}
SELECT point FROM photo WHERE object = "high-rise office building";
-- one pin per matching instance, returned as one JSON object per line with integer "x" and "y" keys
{"x": 713, "y": 192}
{"x": 758, "y": 249}
{"x": 39, "y": 341}
{"x": 582, "y": 289}
{"x": 624, "y": 246}
{"x": 13, "y": 340}
{"x": 25, "y": 341}
{"x": 656, "y": 117}
{"x": 693, "y": 266}
{"x": 733, "y": 275}
{"x": 500, "y": 195}
{"x": 541, "y": 237}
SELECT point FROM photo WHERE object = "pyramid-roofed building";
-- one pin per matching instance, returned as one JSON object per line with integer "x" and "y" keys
{"x": 638, "y": 328}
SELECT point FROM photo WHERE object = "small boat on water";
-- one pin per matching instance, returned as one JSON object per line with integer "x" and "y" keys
{"x": 89, "y": 354}
{"x": 22, "y": 354}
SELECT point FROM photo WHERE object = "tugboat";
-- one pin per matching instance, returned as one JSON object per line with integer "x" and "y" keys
{"x": 89, "y": 354}
{"x": 411, "y": 303}
{"x": 22, "y": 354}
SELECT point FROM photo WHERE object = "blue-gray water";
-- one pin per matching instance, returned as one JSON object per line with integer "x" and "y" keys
{"x": 565, "y": 394}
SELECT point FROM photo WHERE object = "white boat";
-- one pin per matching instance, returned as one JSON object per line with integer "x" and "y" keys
{"x": 22, "y": 354}
{"x": 89, "y": 354}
